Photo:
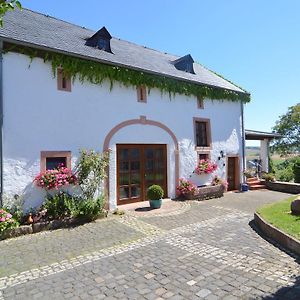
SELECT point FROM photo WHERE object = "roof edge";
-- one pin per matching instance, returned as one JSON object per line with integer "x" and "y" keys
{"x": 89, "y": 58}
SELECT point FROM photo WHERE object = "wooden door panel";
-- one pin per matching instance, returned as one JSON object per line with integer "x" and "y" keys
{"x": 129, "y": 172}
{"x": 232, "y": 173}
{"x": 138, "y": 167}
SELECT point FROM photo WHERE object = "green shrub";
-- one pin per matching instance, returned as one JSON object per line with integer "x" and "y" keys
{"x": 284, "y": 170}
{"x": 64, "y": 205}
{"x": 90, "y": 209}
{"x": 268, "y": 177}
{"x": 296, "y": 170}
{"x": 91, "y": 170}
{"x": 155, "y": 192}
{"x": 58, "y": 206}
{"x": 285, "y": 175}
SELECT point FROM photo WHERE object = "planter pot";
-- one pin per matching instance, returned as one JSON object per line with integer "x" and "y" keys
{"x": 201, "y": 180}
{"x": 209, "y": 192}
{"x": 189, "y": 196}
{"x": 155, "y": 203}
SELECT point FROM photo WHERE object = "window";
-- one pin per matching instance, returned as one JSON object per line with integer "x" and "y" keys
{"x": 142, "y": 94}
{"x": 203, "y": 156}
{"x": 63, "y": 82}
{"x": 200, "y": 103}
{"x": 52, "y": 159}
{"x": 101, "y": 40}
{"x": 185, "y": 64}
{"x": 103, "y": 44}
{"x": 202, "y": 133}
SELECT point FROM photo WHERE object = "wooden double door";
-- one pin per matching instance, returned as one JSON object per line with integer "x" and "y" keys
{"x": 138, "y": 167}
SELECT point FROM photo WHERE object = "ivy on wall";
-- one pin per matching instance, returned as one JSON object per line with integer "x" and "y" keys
{"x": 96, "y": 73}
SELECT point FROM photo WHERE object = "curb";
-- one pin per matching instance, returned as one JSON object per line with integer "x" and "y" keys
{"x": 283, "y": 239}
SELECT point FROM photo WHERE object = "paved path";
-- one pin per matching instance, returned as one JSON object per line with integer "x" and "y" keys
{"x": 205, "y": 250}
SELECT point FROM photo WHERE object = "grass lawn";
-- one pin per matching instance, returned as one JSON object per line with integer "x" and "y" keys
{"x": 279, "y": 215}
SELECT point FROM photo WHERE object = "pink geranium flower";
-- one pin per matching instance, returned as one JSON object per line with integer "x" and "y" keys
{"x": 54, "y": 179}
{"x": 185, "y": 187}
{"x": 205, "y": 166}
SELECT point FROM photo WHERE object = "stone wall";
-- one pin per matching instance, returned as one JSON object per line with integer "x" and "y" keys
{"x": 286, "y": 187}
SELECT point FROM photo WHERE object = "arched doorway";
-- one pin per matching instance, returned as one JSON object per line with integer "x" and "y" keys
{"x": 132, "y": 138}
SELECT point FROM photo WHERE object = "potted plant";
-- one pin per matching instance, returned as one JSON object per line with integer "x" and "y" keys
{"x": 155, "y": 194}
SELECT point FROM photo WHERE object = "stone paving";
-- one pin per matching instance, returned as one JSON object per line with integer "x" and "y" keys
{"x": 204, "y": 250}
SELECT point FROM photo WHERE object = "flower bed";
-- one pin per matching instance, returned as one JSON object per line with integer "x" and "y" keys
{"x": 48, "y": 225}
{"x": 60, "y": 208}
{"x": 204, "y": 193}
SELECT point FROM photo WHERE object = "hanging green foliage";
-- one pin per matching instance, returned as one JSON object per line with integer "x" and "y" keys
{"x": 96, "y": 73}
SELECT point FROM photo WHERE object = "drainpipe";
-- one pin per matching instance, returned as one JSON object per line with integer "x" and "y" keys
{"x": 243, "y": 141}
{"x": 1, "y": 124}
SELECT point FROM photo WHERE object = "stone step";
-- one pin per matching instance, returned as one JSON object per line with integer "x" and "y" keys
{"x": 257, "y": 187}
{"x": 256, "y": 182}
{"x": 252, "y": 179}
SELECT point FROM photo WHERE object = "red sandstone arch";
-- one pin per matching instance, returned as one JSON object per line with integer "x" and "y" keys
{"x": 143, "y": 121}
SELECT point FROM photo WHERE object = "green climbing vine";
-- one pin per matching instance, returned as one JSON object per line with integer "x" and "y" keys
{"x": 96, "y": 73}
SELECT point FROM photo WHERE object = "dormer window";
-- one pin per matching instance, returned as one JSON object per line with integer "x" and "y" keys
{"x": 101, "y": 40}
{"x": 185, "y": 64}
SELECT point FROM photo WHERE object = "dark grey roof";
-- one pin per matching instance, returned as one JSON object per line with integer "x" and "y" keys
{"x": 260, "y": 135}
{"x": 41, "y": 31}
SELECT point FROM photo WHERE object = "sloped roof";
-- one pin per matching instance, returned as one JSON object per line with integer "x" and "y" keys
{"x": 260, "y": 135}
{"x": 37, "y": 30}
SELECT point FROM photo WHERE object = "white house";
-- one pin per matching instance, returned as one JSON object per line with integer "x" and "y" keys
{"x": 158, "y": 113}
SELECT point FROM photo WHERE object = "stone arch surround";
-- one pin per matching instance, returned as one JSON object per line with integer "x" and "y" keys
{"x": 144, "y": 121}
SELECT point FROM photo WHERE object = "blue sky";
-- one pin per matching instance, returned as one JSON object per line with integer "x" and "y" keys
{"x": 253, "y": 43}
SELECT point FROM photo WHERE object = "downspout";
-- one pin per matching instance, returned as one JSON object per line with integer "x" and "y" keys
{"x": 243, "y": 141}
{"x": 1, "y": 123}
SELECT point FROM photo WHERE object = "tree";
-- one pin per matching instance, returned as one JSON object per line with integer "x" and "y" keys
{"x": 6, "y": 5}
{"x": 288, "y": 126}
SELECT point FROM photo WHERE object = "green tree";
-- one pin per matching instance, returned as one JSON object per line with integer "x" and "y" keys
{"x": 288, "y": 126}
{"x": 6, "y": 5}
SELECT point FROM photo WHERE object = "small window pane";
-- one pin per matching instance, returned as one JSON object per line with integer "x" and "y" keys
{"x": 123, "y": 154}
{"x": 135, "y": 154}
{"x": 135, "y": 166}
{"x": 135, "y": 191}
{"x": 54, "y": 162}
{"x": 124, "y": 166}
{"x": 124, "y": 179}
{"x": 159, "y": 153}
{"x": 149, "y": 153}
{"x": 124, "y": 192}
{"x": 135, "y": 178}
{"x": 149, "y": 165}
{"x": 203, "y": 156}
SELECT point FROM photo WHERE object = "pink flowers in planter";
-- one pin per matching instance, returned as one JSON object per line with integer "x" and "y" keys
{"x": 55, "y": 179}
{"x": 205, "y": 166}
{"x": 219, "y": 181}
{"x": 185, "y": 187}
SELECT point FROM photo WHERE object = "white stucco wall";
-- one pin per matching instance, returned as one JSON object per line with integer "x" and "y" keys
{"x": 39, "y": 117}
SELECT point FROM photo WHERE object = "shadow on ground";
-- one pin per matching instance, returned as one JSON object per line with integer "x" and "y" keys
{"x": 286, "y": 292}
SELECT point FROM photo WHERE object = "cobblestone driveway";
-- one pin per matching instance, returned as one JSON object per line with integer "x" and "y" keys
{"x": 207, "y": 250}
